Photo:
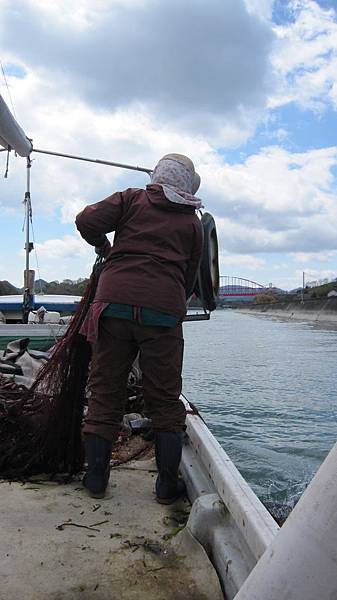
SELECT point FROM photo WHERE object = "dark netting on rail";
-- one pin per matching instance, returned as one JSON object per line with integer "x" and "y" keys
{"x": 40, "y": 428}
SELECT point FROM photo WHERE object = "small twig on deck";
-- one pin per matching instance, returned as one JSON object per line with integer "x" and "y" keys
{"x": 100, "y": 523}
{"x": 68, "y": 524}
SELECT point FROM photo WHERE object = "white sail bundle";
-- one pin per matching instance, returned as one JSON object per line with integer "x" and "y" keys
{"x": 12, "y": 137}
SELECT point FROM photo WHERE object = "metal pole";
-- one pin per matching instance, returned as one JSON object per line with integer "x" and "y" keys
{"x": 28, "y": 280}
{"x": 27, "y": 216}
{"x": 95, "y": 160}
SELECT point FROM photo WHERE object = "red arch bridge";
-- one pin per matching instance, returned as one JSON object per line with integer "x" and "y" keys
{"x": 237, "y": 288}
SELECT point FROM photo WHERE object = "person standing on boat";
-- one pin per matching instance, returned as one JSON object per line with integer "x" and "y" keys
{"x": 139, "y": 306}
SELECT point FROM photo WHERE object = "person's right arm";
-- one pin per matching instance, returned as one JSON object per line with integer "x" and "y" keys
{"x": 96, "y": 220}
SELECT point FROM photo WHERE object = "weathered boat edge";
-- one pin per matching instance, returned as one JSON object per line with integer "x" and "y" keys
{"x": 226, "y": 517}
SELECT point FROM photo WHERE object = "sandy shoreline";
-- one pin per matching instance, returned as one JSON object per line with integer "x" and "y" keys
{"x": 322, "y": 313}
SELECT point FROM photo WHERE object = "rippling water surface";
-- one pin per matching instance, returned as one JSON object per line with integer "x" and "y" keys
{"x": 267, "y": 390}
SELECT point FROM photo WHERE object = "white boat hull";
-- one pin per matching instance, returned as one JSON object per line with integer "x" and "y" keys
{"x": 20, "y": 330}
{"x": 42, "y": 337}
{"x": 11, "y": 305}
{"x": 227, "y": 518}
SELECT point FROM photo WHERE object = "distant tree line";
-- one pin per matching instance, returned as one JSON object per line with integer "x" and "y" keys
{"x": 76, "y": 288}
{"x": 7, "y": 288}
{"x": 67, "y": 286}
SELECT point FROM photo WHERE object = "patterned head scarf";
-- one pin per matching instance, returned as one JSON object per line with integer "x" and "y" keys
{"x": 176, "y": 175}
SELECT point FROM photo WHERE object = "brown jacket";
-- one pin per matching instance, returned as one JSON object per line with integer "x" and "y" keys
{"x": 156, "y": 250}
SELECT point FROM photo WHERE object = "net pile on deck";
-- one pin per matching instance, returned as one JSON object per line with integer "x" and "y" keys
{"x": 24, "y": 426}
{"x": 34, "y": 437}
{"x": 40, "y": 428}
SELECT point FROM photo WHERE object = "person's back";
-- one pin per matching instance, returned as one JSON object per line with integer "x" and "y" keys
{"x": 139, "y": 306}
{"x": 155, "y": 252}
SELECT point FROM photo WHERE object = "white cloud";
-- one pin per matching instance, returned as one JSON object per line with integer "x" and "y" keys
{"x": 236, "y": 237}
{"x": 68, "y": 257}
{"x": 62, "y": 185}
{"x": 309, "y": 257}
{"x": 276, "y": 201}
{"x": 196, "y": 66}
{"x": 242, "y": 261}
{"x": 57, "y": 249}
{"x": 73, "y": 16}
{"x": 305, "y": 57}
{"x": 263, "y": 8}
{"x": 281, "y": 134}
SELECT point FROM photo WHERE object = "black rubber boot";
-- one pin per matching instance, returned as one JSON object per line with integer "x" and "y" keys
{"x": 98, "y": 454}
{"x": 168, "y": 448}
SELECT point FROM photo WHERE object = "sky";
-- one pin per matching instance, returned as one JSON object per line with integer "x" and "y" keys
{"x": 246, "y": 88}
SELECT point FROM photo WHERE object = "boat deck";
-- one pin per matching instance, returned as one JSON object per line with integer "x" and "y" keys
{"x": 57, "y": 543}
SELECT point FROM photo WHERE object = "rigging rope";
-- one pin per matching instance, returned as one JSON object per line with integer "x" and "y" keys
{"x": 9, "y": 94}
{"x": 7, "y": 162}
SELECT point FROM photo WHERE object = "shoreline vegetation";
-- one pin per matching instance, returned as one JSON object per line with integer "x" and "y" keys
{"x": 314, "y": 305}
{"x": 67, "y": 286}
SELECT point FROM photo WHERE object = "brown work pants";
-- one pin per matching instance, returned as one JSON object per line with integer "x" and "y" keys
{"x": 160, "y": 359}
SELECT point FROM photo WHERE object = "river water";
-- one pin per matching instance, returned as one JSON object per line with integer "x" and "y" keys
{"x": 267, "y": 391}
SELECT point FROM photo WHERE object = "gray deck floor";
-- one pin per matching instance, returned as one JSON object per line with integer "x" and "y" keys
{"x": 57, "y": 543}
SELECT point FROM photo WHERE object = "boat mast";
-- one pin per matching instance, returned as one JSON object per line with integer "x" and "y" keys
{"x": 27, "y": 215}
{"x": 28, "y": 277}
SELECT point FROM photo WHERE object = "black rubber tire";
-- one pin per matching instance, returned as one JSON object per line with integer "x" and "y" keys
{"x": 207, "y": 285}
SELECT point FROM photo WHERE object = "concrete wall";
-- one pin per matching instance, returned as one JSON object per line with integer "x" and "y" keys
{"x": 323, "y": 310}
